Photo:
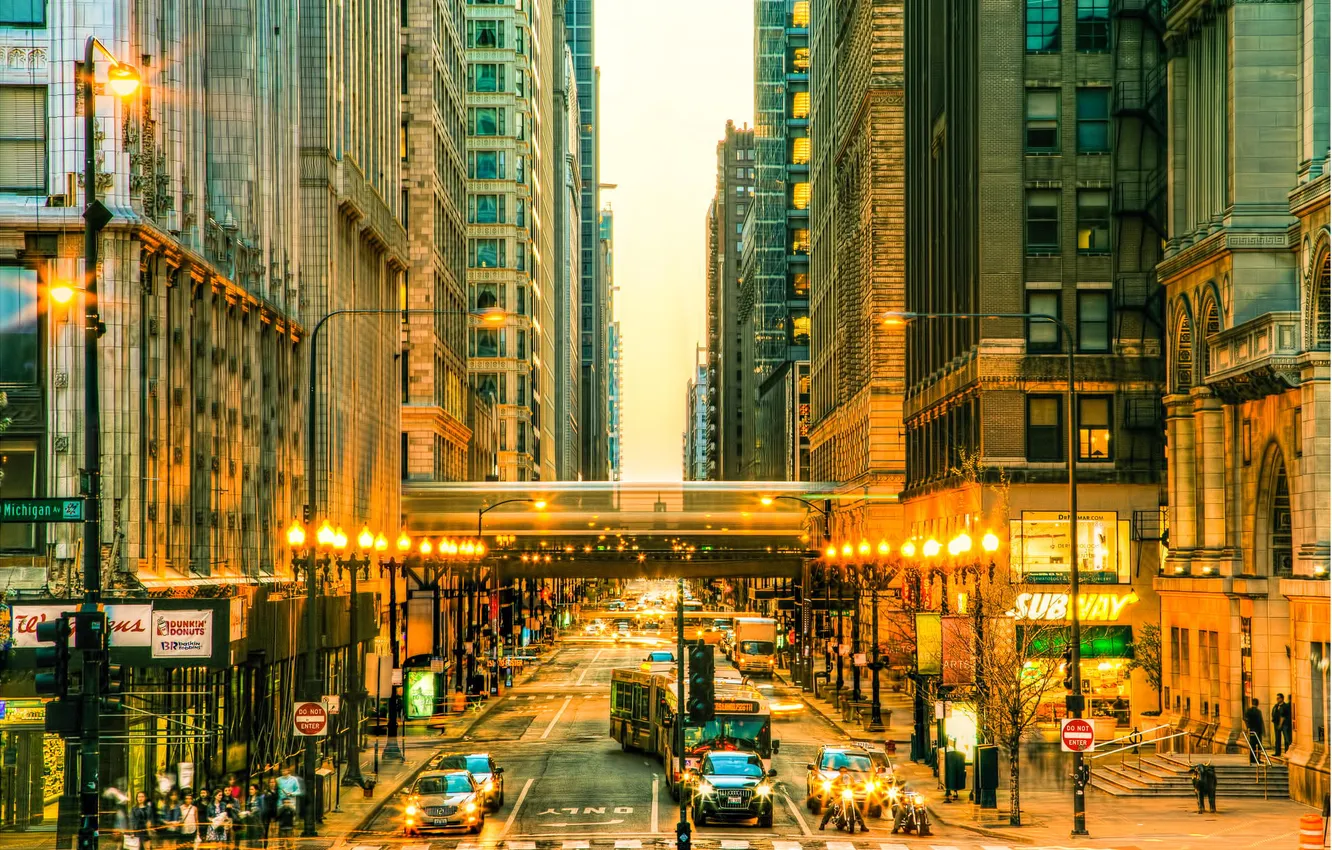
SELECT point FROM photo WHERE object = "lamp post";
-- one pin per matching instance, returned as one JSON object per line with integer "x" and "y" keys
{"x": 124, "y": 81}
{"x": 869, "y": 569}
{"x": 1074, "y": 700}
{"x": 393, "y": 567}
{"x": 805, "y": 664}
{"x": 306, "y": 557}
{"x": 365, "y": 543}
{"x": 540, "y": 505}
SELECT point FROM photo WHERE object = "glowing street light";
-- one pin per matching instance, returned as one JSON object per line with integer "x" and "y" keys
{"x": 295, "y": 535}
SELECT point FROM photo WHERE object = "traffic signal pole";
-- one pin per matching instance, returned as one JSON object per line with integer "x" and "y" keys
{"x": 682, "y": 835}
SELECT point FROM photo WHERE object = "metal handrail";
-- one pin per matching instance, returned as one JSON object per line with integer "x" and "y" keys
{"x": 1262, "y": 761}
{"x": 1100, "y": 754}
{"x": 1137, "y": 733}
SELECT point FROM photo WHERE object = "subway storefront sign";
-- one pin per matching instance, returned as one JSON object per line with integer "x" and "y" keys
{"x": 1092, "y": 607}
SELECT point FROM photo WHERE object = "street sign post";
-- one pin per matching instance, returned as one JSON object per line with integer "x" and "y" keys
{"x": 1077, "y": 735}
{"x": 41, "y": 510}
{"x": 311, "y": 719}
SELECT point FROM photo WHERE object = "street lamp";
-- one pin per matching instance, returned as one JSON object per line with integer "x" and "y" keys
{"x": 805, "y": 664}
{"x": 305, "y": 557}
{"x": 392, "y": 567}
{"x": 1074, "y": 700}
{"x": 365, "y": 543}
{"x": 869, "y": 570}
{"x": 124, "y": 80}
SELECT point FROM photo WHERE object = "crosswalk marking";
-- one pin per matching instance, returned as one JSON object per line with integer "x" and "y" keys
{"x": 368, "y": 847}
{"x": 786, "y": 845}
{"x": 518, "y": 845}
{"x": 945, "y": 847}
{"x": 841, "y": 845}
{"x": 734, "y": 844}
{"x": 893, "y": 847}
{"x": 627, "y": 844}
{"x": 576, "y": 844}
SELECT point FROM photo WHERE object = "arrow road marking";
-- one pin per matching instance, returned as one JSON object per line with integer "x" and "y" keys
{"x": 555, "y": 719}
{"x": 518, "y": 804}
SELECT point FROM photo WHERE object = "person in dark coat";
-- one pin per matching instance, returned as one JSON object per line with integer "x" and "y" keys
{"x": 1280, "y": 725}
{"x": 141, "y": 819}
{"x": 1253, "y": 724}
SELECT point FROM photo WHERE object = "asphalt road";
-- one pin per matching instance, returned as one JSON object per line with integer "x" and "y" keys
{"x": 566, "y": 778}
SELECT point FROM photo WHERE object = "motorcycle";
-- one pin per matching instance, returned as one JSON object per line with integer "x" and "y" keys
{"x": 845, "y": 816}
{"x": 909, "y": 812}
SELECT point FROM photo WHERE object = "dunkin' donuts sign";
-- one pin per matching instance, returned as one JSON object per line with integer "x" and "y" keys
{"x": 128, "y": 624}
{"x": 182, "y": 634}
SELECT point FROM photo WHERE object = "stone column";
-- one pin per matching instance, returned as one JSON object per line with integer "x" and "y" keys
{"x": 1181, "y": 473}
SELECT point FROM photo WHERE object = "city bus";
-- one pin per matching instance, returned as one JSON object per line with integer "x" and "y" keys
{"x": 644, "y": 709}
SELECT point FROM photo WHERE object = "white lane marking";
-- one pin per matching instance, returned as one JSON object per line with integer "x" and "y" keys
{"x": 893, "y": 847}
{"x": 800, "y": 819}
{"x": 556, "y": 718}
{"x": 520, "y": 845}
{"x": 996, "y": 847}
{"x": 627, "y": 844}
{"x": 841, "y": 845}
{"x": 734, "y": 844}
{"x": 416, "y": 847}
{"x": 653, "y": 827}
{"x": 786, "y": 845}
{"x": 576, "y": 844}
{"x": 517, "y": 804}
{"x": 368, "y": 847}
{"x": 588, "y": 668}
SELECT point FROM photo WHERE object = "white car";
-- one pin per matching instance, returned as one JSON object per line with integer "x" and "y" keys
{"x": 444, "y": 799}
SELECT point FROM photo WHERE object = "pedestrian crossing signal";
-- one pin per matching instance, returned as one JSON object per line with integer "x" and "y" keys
{"x": 682, "y": 836}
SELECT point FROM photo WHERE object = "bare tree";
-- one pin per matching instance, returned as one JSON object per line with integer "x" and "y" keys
{"x": 1147, "y": 658}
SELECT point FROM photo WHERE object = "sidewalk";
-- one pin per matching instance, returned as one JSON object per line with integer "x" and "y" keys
{"x": 1047, "y": 813}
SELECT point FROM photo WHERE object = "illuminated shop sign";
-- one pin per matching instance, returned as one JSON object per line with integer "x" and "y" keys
{"x": 1092, "y": 607}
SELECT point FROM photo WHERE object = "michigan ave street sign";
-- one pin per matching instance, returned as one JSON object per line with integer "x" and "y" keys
{"x": 41, "y": 510}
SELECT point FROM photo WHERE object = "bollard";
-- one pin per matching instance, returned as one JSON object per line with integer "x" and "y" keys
{"x": 1311, "y": 832}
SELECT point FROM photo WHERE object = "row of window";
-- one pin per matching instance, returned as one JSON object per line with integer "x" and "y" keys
{"x": 1043, "y": 234}
{"x": 494, "y": 387}
{"x": 1095, "y": 314}
{"x": 491, "y": 78}
{"x": 1045, "y": 428}
{"x": 487, "y": 295}
{"x": 1091, "y": 31}
{"x": 1092, "y": 114}
{"x": 497, "y": 342}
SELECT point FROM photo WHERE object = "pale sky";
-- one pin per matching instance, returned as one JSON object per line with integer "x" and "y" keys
{"x": 672, "y": 73}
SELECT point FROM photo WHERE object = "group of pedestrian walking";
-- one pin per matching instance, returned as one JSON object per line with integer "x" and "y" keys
{"x": 219, "y": 818}
{"x": 1256, "y": 727}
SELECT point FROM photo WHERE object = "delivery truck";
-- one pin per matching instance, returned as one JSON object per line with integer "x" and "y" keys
{"x": 755, "y": 645}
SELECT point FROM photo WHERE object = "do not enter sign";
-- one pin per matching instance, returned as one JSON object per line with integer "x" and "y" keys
{"x": 311, "y": 719}
{"x": 1077, "y": 735}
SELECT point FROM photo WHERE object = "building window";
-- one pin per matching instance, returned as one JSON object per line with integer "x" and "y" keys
{"x": 485, "y": 34}
{"x": 1042, "y": 220}
{"x": 402, "y": 143}
{"x": 1093, "y": 26}
{"x": 1094, "y": 221}
{"x": 1044, "y": 436}
{"x": 1093, "y": 321}
{"x": 23, "y": 13}
{"x": 486, "y": 253}
{"x": 1319, "y": 654}
{"x": 1094, "y": 428}
{"x": 486, "y": 120}
{"x": 23, "y": 140}
{"x": 800, "y": 196}
{"x": 486, "y": 77}
{"x": 485, "y": 209}
{"x": 18, "y": 480}
{"x": 799, "y": 287}
{"x": 800, "y": 240}
{"x": 485, "y": 165}
{"x": 1042, "y": 120}
{"x": 800, "y": 150}
{"x": 1093, "y": 120}
{"x": 18, "y": 326}
{"x": 800, "y": 104}
{"x": 520, "y": 213}
{"x": 1042, "y": 26}
{"x": 487, "y": 296}
{"x": 1042, "y": 335}
{"x": 487, "y": 342}
{"x": 800, "y": 14}
{"x": 800, "y": 330}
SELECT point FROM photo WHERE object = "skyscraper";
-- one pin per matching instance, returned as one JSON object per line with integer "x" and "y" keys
{"x": 774, "y": 300}
{"x": 697, "y": 396}
{"x": 568, "y": 257}
{"x": 511, "y": 237}
{"x": 614, "y": 345}
{"x": 593, "y": 291}
{"x": 730, "y": 413}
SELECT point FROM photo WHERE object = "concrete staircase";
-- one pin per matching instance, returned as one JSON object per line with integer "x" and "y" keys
{"x": 1162, "y": 775}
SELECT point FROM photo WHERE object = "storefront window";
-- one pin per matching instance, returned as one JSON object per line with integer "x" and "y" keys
{"x": 1039, "y": 547}
{"x": 1105, "y": 681}
{"x": 18, "y": 480}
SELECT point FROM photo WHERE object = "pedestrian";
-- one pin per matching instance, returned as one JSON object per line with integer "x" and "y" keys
{"x": 1280, "y": 725}
{"x": 188, "y": 832}
{"x": 1253, "y": 724}
{"x": 140, "y": 820}
{"x": 219, "y": 820}
{"x": 171, "y": 818}
{"x": 234, "y": 790}
{"x": 254, "y": 816}
{"x": 270, "y": 807}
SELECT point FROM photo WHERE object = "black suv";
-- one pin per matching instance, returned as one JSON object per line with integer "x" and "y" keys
{"x": 733, "y": 785}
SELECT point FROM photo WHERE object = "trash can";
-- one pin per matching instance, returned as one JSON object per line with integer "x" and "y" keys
{"x": 368, "y": 787}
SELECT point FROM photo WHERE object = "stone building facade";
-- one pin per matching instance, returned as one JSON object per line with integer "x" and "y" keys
{"x": 1244, "y": 593}
{"x": 857, "y": 262}
{"x": 1034, "y": 145}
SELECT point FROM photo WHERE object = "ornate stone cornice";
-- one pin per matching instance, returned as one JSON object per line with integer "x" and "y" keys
{"x": 1223, "y": 241}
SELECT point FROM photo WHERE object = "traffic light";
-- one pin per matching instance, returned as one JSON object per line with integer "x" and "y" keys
{"x": 52, "y": 679}
{"x": 702, "y": 676}
{"x": 1068, "y": 668}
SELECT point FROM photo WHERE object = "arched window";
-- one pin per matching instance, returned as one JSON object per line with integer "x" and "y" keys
{"x": 1279, "y": 537}
{"x": 1183, "y": 355}
{"x": 1322, "y": 303}
{"x": 1211, "y": 326}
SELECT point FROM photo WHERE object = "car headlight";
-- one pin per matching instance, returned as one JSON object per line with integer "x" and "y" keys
{"x": 827, "y": 786}
{"x": 489, "y": 786}
{"x": 764, "y": 790}
{"x": 471, "y": 807}
{"x": 892, "y": 793}
{"x": 869, "y": 787}
{"x": 411, "y": 809}
{"x": 704, "y": 788}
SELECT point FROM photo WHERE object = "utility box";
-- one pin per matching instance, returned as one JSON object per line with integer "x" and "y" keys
{"x": 987, "y": 768}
